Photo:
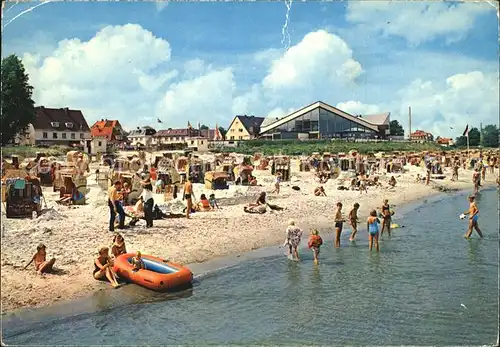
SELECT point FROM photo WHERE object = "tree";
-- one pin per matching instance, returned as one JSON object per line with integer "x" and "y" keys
{"x": 18, "y": 109}
{"x": 223, "y": 132}
{"x": 490, "y": 136}
{"x": 396, "y": 128}
{"x": 204, "y": 127}
{"x": 474, "y": 137}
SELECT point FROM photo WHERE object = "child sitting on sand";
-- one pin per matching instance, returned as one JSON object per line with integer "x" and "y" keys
{"x": 203, "y": 204}
{"x": 41, "y": 264}
{"x": 314, "y": 243}
{"x": 118, "y": 247}
{"x": 213, "y": 202}
{"x": 138, "y": 262}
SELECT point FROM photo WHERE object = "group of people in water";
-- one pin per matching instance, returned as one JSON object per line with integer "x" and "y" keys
{"x": 376, "y": 224}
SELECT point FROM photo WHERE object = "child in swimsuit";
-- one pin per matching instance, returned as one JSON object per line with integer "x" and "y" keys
{"x": 386, "y": 215}
{"x": 372, "y": 225}
{"x": 213, "y": 201}
{"x": 314, "y": 243}
{"x": 41, "y": 263}
{"x": 353, "y": 218}
{"x": 339, "y": 222}
{"x": 138, "y": 262}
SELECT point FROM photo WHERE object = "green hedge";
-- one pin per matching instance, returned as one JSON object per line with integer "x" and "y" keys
{"x": 294, "y": 147}
{"x": 30, "y": 151}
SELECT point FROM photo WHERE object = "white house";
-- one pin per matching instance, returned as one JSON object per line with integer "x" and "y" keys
{"x": 142, "y": 136}
{"x": 95, "y": 145}
{"x": 56, "y": 126}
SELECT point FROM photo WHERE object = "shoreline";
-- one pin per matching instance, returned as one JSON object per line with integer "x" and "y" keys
{"x": 202, "y": 241}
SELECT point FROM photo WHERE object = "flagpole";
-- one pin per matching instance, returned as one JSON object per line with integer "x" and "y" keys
{"x": 468, "y": 149}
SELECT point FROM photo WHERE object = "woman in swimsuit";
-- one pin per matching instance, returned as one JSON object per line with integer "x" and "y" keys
{"x": 103, "y": 267}
{"x": 386, "y": 215}
{"x": 372, "y": 225}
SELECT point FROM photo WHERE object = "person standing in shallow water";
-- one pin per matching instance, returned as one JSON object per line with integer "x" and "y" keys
{"x": 473, "y": 214}
{"x": 339, "y": 223}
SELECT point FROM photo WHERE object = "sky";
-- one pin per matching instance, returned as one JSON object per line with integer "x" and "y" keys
{"x": 209, "y": 61}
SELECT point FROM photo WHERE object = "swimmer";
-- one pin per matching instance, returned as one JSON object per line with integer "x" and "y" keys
{"x": 353, "y": 218}
{"x": 372, "y": 225}
{"x": 473, "y": 213}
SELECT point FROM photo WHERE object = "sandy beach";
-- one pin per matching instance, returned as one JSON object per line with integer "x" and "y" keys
{"x": 73, "y": 234}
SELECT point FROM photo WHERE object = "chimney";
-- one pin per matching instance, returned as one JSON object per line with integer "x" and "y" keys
{"x": 66, "y": 110}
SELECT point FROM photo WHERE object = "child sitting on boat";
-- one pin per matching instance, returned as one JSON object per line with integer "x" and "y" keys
{"x": 314, "y": 243}
{"x": 138, "y": 262}
{"x": 41, "y": 263}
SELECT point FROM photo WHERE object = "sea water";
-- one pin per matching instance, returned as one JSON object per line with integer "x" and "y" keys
{"x": 427, "y": 286}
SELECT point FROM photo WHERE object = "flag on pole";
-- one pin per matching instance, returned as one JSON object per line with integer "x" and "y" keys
{"x": 217, "y": 135}
{"x": 159, "y": 121}
{"x": 466, "y": 131}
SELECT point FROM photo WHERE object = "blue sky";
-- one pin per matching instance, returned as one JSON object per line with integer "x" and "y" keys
{"x": 206, "y": 62}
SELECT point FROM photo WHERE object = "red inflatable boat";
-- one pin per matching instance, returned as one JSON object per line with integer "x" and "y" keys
{"x": 159, "y": 274}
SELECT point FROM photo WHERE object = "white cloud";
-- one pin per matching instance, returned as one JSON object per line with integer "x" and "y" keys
{"x": 417, "y": 21}
{"x": 320, "y": 55}
{"x": 161, "y": 5}
{"x": 356, "y": 107}
{"x": 443, "y": 107}
{"x": 207, "y": 98}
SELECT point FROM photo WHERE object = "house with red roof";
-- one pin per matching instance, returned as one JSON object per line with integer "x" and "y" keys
{"x": 421, "y": 136}
{"x": 110, "y": 129}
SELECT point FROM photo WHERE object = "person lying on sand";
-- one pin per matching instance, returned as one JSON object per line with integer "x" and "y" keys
{"x": 103, "y": 267}
{"x": 261, "y": 200}
{"x": 319, "y": 191}
{"x": 203, "y": 205}
{"x": 138, "y": 262}
{"x": 392, "y": 182}
{"x": 41, "y": 263}
{"x": 118, "y": 246}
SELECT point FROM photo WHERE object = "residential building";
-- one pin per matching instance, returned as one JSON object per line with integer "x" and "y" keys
{"x": 244, "y": 128}
{"x": 111, "y": 129}
{"x": 445, "y": 141}
{"x": 95, "y": 145}
{"x": 421, "y": 136}
{"x": 142, "y": 137}
{"x": 322, "y": 121}
{"x": 186, "y": 138}
{"x": 56, "y": 126}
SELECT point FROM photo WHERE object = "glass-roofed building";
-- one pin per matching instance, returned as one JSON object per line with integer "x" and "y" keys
{"x": 322, "y": 121}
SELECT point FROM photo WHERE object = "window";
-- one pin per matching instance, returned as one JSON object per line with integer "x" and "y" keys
{"x": 99, "y": 143}
{"x": 241, "y": 137}
{"x": 55, "y": 124}
{"x": 201, "y": 142}
{"x": 63, "y": 135}
{"x": 240, "y": 130}
{"x": 232, "y": 130}
{"x": 72, "y": 136}
{"x": 192, "y": 142}
{"x": 68, "y": 125}
{"x": 54, "y": 135}
{"x": 232, "y": 137}
{"x": 45, "y": 135}
{"x": 81, "y": 135}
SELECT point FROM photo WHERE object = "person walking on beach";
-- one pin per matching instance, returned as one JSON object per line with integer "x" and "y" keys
{"x": 293, "y": 236}
{"x": 473, "y": 213}
{"x": 339, "y": 223}
{"x": 115, "y": 206}
{"x": 353, "y": 219}
{"x": 188, "y": 195}
{"x": 456, "y": 166}
{"x": 372, "y": 227}
{"x": 277, "y": 183}
{"x": 147, "y": 199}
{"x": 428, "y": 177}
{"x": 386, "y": 217}
{"x": 476, "y": 180}
{"x": 314, "y": 243}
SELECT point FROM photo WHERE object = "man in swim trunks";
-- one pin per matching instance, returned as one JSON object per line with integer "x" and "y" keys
{"x": 353, "y": 218}
{"x": 339, "y": 223}
{"x": 473, "y": 213}
{"x": 188, "y": 195}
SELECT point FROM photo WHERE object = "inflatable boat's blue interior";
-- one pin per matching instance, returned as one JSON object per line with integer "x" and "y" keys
{"x": 157, "y": 266}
